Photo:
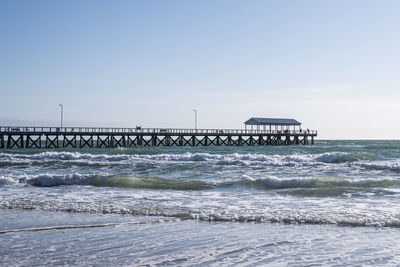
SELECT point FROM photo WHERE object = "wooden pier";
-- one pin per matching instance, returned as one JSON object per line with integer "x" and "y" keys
{"x": 13, "y": 137}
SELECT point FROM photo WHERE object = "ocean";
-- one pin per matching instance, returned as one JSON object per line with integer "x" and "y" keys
{"x": 334, "y": 203}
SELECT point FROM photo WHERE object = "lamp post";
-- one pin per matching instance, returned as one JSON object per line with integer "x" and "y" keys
{"x": 195, "y": 119}
{"x": 62, "y": 114}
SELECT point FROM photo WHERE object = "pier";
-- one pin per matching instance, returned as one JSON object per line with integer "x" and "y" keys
{"x": 87, "y": 137}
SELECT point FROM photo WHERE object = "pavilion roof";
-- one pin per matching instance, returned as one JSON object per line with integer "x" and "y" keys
{"x": 271, "y": 121}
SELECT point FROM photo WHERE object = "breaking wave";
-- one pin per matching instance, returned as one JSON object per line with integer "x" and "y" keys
{"x": 299, "y": 218}
{"x": 234, "y": 158}
{"x": 320, "y": 182}
{"x": 150, "y": 183}
{"x": 259, "y": 216}
{"x": 382, "y": 166}
{"x": 48, "y": 180}
{"x": 383, "y": 147}
{"x": 138, "y": 182}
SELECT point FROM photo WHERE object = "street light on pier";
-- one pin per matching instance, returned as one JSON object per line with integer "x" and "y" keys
{"x": 62, "y": 114}
{"x": 195, "y": 119}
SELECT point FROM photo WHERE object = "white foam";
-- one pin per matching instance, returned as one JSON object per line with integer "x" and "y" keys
{"x": 382, "y": 166}
{"x": 8, "y": 181}
{"x": 234, "y": 158}
{"x": 172, "y": 157}
{"x": 53, "y": 155}
{"x": 273, "y": 182}
{"x": 337, "y": 213}
{"x": 47, "y": 179}
{"x": 299, "y": 218}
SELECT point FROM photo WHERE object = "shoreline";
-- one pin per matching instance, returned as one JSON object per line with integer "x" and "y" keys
{"x": 138, "y": 240}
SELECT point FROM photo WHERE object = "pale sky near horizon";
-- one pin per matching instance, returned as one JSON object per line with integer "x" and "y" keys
{"x": 333, "y": 65}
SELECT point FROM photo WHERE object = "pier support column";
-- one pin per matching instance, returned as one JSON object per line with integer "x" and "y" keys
{"x": 118, "y": 142}
{"x": 193, "y": 140}
{"x": 181, "y": 140}
{"x": 206, "y": 141}
{"x": 86, "y": 142}
{"x": 27, "y": 141}
{"x": 18, "y": 142}
{"x": 101, "y": 142}
{"x": 32, "y": 142}
{"x": 51, "y": 142}
{"x": 250, "y": 140}
{"x": 240, "y": 141}
{"x": 287, "y": 140}
{"x": 140, "y": 140}
{"x": 167, "y": 140}
{"x": 278, "y": 140}
{"x": 130, "y": 141}
{"x": 69, "y": 141}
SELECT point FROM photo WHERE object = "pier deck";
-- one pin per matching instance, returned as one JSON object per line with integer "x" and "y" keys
{"x": 81, "y": 137}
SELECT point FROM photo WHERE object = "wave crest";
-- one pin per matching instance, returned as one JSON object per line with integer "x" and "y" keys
{"x": 320, "y": 182}
{"x": 229, "y": 159}
{"x": 138, "y": 182}
{"x": 150, "y": 183}
{"x": 289, "y": 216}
{"x": 382, "y": 166}
{"x": 48, "y": 180}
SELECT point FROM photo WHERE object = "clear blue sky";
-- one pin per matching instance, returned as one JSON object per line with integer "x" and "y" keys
{"x": 333, "y": 65}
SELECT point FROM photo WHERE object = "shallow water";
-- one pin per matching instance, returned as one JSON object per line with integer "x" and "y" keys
{"x": 345, "y": 183}
{"x": 155, "y": 241}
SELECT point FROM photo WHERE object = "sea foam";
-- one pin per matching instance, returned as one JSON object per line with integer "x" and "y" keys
{"x": 234, "y": 158}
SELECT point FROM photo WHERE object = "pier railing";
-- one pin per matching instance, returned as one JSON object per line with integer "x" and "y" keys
{"x": 140, "y": 130}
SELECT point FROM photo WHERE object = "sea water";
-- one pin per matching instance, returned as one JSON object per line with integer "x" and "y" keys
{"x": 333, "y": 203}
